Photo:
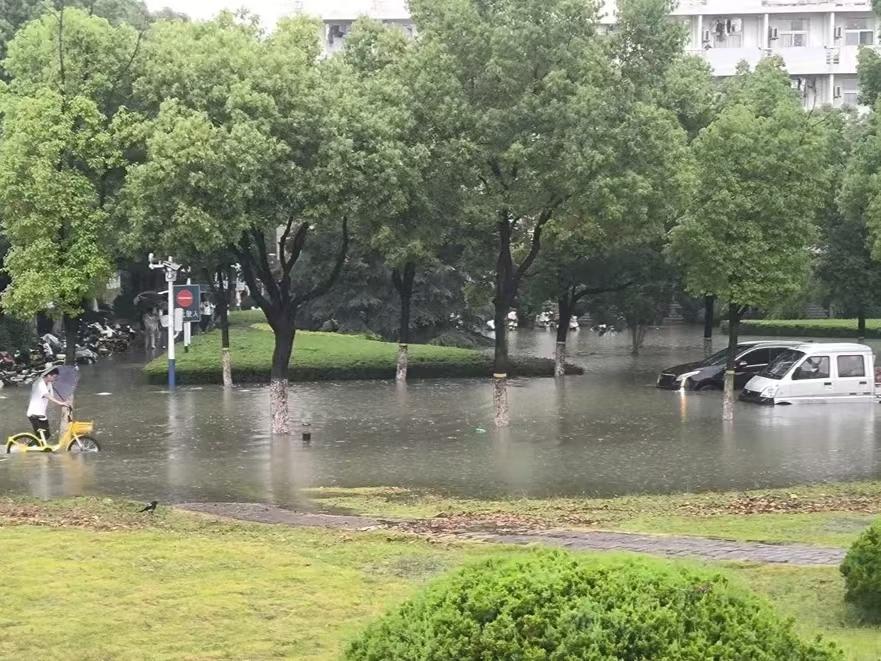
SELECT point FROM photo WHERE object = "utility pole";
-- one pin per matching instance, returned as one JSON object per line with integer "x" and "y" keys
{"x": 171, "y": 272}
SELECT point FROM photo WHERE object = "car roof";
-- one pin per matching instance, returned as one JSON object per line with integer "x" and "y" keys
{"x": 833, "y": 347}
{"x": 771, "y": 343}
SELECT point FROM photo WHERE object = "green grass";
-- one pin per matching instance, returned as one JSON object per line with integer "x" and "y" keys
{"x": 823, "y": 515}
{"x": 91, "y": 579}
{"x": 327, "y": 356}
{"x": 840, "y": 328}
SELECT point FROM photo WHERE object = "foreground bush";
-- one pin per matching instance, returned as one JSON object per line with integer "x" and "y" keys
{"x": 553, "y": 605}
{"x": 862, "y": 571}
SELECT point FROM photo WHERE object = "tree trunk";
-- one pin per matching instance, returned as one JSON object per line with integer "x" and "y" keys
{"x": 403, "y": 283}
{"x": 564, "y": 312}
{"x": 728, "y": 395}
{"x": 861, "y": 325}
{"x": 504, "y": 296}
{"x": 284, "y": 332}
{"x": 71, "y": 331}
{"x": 500, "y": 400}
{"x": 637, "y": 337}
{"x": 224, "y": 344}
{"x": 709, "y": 311}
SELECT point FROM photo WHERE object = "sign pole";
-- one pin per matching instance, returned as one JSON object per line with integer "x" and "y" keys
{"x": 170, "y": 277}
{"x": 188, "y": 329}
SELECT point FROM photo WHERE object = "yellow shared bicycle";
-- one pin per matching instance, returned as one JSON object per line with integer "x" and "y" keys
{"x": 75, "y": 439}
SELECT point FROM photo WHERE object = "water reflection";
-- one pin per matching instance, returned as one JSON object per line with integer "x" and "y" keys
{"x": 608, "y": 432}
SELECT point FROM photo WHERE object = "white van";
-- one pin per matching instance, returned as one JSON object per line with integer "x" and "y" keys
{"x": 816, "y": 372}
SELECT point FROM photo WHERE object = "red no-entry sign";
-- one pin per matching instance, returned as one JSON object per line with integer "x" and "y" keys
{"x": 187, "y": 298}
{"x": 184, "y": 298}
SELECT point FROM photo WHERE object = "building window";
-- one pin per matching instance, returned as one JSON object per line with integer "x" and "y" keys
{"x": 849, "y": 91}
{"x": 858, "y": 32}
{"x": 794, "y": 34}
{"x": 725, "y": 33}
{"x": 336, "y": 32}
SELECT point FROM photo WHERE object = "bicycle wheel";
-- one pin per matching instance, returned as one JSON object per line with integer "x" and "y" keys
{"x": 83, "y": 444}
{"x": 21, "y": 442}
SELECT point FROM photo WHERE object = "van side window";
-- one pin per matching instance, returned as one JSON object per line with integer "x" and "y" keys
{"x": 815, "y": 367}
{"x": 851, "y": 366}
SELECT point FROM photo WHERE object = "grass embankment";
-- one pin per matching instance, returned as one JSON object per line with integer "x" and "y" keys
{"x": 840, "y": 328}
{"x": 328, "y": 357}
{"x": 88, "y": 578}
{"x": 826, "y": 515}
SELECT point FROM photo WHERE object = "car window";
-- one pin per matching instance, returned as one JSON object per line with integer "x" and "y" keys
{"x": 850, "y": 366}
{"x": 776, "y": 351}
{"x": 813, "y": 367}
{"x": 756, "y": 357}
{"x": 721, "y": 357}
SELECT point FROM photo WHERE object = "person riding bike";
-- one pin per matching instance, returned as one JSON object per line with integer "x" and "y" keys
{"x": 42, "y": 393}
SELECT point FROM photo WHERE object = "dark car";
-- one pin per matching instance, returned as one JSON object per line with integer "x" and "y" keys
{"x": 709, "y": 374}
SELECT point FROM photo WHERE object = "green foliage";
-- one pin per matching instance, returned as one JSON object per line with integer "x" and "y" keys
{"x": 554, "y": 605}
{"x": 810, "y": 327}
{"x": 862, "y": 571}
{"x": 61, "y": 157}
{"x": 760, "y": 165}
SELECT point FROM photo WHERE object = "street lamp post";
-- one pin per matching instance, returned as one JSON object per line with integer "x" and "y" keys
{"x": 171, "y": 271}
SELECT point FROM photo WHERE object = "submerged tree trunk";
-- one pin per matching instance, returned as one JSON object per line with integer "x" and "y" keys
{"x": 637, "y": 337}
{"x": 861, "y": 325}
{"x": 734, "y": 314}
{"x": 403, "y": 282}
{"x": 709, "y": 311}
{"x": 564, "y": 312}
{"x": 284, "y": 332}
{"x": 224, "y": 346}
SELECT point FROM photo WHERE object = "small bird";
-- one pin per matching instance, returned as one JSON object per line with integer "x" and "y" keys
{"x": 151, "y": 507}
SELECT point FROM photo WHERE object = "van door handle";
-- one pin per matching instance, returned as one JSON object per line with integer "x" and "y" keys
{"x": 863, "y": 383}
{"x": 827, "y": 383}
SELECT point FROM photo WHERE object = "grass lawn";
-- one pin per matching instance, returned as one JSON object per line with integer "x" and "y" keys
{"x": 826, "y": 515}
{"x": 842, "y": 328}
{"x": 90, "y": 579}
{"x": 327, "y": 356}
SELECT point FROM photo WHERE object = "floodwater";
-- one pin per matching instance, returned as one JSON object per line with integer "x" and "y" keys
{"x": 607, "y": 432}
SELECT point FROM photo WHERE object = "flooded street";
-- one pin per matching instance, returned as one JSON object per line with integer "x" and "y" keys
{"x": 605, "y": 433}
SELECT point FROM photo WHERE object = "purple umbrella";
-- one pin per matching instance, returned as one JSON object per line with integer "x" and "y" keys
{"x": 67, "y": 380}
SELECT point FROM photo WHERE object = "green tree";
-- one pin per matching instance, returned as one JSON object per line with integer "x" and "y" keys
{"x": 845, "y": 264}
{"x": 264, "y": 147}
{"x": 424, "y": 205}
{"x": 62, "y": 158}
{"x": 747, "y": 235}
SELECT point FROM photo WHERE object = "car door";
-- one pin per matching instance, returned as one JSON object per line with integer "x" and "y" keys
{"x": 750, "y": 364}
{"x": 812, "y": 378}
{"x": 853, "y": 378}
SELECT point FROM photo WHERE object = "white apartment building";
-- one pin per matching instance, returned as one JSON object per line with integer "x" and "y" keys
{"x": 818, "y": 39}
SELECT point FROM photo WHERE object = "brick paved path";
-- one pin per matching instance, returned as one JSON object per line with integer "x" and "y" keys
{"x": 663, "y": 545}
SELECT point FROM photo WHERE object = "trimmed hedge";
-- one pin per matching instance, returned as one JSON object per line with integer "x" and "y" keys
{"x": 328, "y": 357}
{"x": 862, "y": 572}
{"x": 555, "y": 605}
{"x": 838, "y": 328}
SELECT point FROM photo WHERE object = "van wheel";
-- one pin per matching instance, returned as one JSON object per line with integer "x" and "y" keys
{"x": 707, "y": 385}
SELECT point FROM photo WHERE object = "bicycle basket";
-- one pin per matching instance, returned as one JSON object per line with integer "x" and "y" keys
{"x": 81, "y": 428}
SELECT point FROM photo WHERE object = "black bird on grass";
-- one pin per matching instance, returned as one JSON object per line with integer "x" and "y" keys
{"x": 150, "y": 508}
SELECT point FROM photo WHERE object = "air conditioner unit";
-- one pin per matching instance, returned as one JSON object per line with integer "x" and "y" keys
{"x": 838, "y": 32}
{"x": 837, "y": 93}
{"x": 833, "y": 56}
{"x": 773, "y": 33}
{"x": 707, "y": 36}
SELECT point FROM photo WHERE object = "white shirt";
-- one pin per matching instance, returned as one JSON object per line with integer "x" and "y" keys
{"x": 39, "y": 403}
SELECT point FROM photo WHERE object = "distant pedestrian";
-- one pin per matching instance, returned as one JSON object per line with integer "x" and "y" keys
{"x": 151, "y": 329}
{"x": 207, "y": 313}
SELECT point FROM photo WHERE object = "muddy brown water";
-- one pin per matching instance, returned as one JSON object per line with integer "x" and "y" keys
{"x": 608, "y": 432}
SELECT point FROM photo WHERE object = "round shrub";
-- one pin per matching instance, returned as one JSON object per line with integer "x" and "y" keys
{"x": 554, "y": 605}
{"x": 862, "y": 571}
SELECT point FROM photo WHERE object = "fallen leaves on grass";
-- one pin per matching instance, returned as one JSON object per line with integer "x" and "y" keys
{"x": 792, "y": 504}
{"x": 18, "y": 514}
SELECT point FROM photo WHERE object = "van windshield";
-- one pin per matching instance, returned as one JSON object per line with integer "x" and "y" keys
{"x": 782, "y": 364}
